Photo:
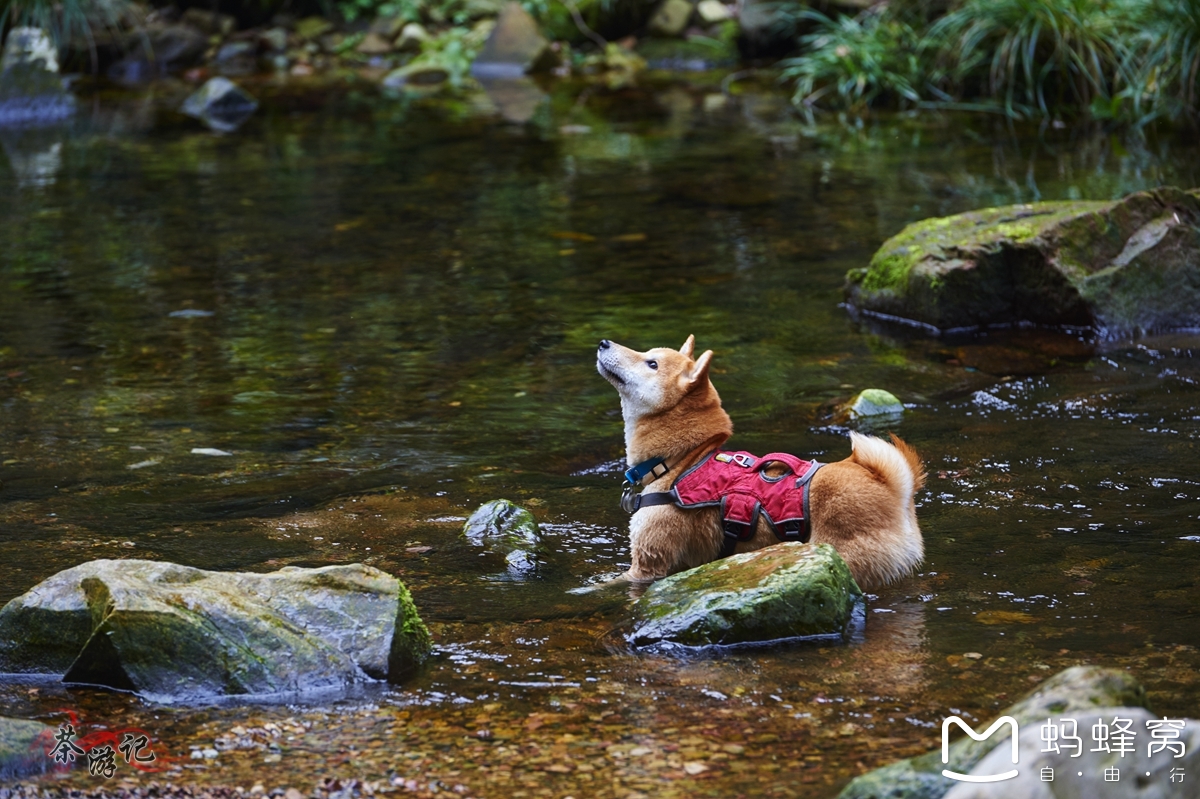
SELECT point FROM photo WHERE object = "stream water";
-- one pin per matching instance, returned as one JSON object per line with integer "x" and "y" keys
{"x": 387, "y": 313}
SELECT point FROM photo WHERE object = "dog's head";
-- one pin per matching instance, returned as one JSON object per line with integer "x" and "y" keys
{"x": 654, "y": 381}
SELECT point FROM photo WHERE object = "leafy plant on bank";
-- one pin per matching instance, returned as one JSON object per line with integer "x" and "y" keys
{"x": 1162, "y": 65}
{"x": 1037, "y": 55}
{"x": 860, "y": 59}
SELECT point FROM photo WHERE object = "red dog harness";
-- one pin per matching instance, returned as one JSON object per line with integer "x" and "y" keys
{"x": 738, "y": 483}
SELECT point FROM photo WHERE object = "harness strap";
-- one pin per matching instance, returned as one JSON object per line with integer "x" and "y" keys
{"x": 649, "y": 498}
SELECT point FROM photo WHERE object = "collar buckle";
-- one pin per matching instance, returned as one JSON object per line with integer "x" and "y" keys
{"x": 652, "y": 467}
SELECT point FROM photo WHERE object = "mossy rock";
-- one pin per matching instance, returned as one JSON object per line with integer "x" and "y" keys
{"x": 23, "y": 746}
{"x": 1076, "y": 690}
{"x": 174, "y": 633}
{"x": 1127, "y": 266}
{"x": 874, "y": 402}
{"x": 502, "y": 527}
{"x": 786, "y": 591}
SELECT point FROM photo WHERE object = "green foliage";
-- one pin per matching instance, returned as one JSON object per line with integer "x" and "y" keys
{"x": 1022, "y": 49}
{"x": 1162, "y": 64}
{"x": 862, "y": 59}
{"x": 1127, "y": 61}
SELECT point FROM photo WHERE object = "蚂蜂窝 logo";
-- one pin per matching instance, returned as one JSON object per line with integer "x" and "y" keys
{"x": 954, "y": 775}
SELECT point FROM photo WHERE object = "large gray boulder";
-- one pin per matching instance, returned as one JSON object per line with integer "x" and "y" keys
{"x": 1077, "y": 690}
{"x": 31, "y": 90}
{"x": 171, "y": 632}
{"x": 786, "y": 591}
{"x": 23, "y": 747}
{"x": 1140, "y": 773}
{"x": 1127, "y": 266}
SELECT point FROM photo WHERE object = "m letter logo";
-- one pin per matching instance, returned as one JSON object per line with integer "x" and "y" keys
{"x": 997, "y": 724}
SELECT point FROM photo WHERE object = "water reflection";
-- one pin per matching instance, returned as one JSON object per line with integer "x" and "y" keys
{"x": 387, "y": 311}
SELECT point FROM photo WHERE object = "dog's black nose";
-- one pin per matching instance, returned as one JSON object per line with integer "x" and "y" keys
{"x": 605, "y": 344}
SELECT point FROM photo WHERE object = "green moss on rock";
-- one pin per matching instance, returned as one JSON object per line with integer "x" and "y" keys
{"x": 23, "y": 746}
{"x": 1074, "y": 263}
{"x": 171, "y": 632}
{"x": 789, "y": 590}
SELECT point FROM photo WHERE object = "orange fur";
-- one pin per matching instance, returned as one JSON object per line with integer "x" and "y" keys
{"x": 863, "y": 506}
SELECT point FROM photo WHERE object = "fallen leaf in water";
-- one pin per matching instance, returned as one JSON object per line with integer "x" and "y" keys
{"x": 342, "y": 227}
{"x": 1004, "y": 617}
{"x": 630, "y": 237}
{"x": 569, "y": 235}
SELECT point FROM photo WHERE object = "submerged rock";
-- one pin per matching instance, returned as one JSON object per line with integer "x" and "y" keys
{"x": 31, "y": 91}
{"x": 1140, "y": 774}
{"x": 501, "y": 526}
{"x": 221, "y": 104}
{"x": 1077, "y": 690}
{"x": 786, "y": 591}
{"x": 1126, "y": 266}
{"x": 509, "y": 530}
{"x": 514, "y": 47}
{"x": 23, "y": 746}
{"x": 171, "y": 632}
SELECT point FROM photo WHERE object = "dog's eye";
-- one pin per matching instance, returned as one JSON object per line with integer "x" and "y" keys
{"x": 652, "y": 364}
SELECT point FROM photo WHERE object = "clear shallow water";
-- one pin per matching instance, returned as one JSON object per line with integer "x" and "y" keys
{"x": 403, "y": 308}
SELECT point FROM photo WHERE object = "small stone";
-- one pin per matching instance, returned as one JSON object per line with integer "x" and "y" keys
{"x": 411, "y": 38}
{"x": 694, "y": 767}
{"x": 374, "y": 44}
{"x": 503, "y": 527}
{"x": 211, "y": 452}
{"x": 713, "y": 11}
{"x": 514, "y": 47}
{"x": 274, "y": 39}
{"x": 313, "y": 27}
{"x": 874, "y": 402}
{"x": 387, "y": 27}
{"x": 31, "y": 91}
{"x": 221, "y": 104}
{"x": 292, "y": 793}
{"x": 671, "y": 18}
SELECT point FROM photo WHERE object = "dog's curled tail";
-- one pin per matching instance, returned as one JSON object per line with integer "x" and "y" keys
{"x": 897, "y": 466}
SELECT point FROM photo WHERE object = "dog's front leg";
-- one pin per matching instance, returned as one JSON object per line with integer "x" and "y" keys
{"x": 664, "y": 540}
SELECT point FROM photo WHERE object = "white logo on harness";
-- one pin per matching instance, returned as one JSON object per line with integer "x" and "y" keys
{"x": 1008, "y": 775}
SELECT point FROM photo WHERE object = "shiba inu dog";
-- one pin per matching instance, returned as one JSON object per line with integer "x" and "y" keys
{"x": 674, "y": 424}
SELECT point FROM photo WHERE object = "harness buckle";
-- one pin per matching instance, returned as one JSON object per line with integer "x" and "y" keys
{"x": 745, "y": 461}
{"x": 629, "y": 500}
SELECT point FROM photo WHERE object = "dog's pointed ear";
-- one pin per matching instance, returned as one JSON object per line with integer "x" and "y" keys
{"x": 689, "y": 347}
{"x": 699, "y": 372}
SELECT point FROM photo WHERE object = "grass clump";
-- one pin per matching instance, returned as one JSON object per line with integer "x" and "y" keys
{"x": 1162, "y": 63}
{"x": 860, "y": 60}
{"x": 1125, "y": 60}
{"x": 1034, "y": 55}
